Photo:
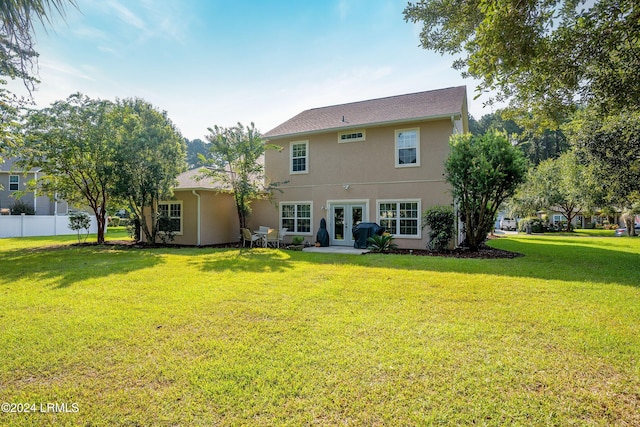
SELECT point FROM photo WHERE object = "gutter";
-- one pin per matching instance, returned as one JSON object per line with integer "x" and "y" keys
{"x": 198, "y": 220}
{"x": 268, "y": 137}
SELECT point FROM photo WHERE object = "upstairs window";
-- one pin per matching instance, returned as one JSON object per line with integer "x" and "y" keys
{"x": 407, "y": 147}
{"x": 300, "y": 157}
{"x": 352, "y": 136}
{"x": 14, "y": 182}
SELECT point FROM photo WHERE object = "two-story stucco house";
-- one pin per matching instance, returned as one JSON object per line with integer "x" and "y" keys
{"x": 380, "y": 160}
{"x": 13, "y": 179}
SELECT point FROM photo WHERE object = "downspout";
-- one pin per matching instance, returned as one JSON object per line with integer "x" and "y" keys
{"x": 35, "y": 194}
{"x": 55, "y": 214}
{"x": 198, "y": 220}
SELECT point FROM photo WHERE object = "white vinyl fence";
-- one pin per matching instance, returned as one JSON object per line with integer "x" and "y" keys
{"x": 38, "y": 225}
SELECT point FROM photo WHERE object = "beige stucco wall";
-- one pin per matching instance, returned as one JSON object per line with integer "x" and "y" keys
{"x": 219, "y": 221}
{"x": 369, "y": 170}
{"x": 264, "y": 213}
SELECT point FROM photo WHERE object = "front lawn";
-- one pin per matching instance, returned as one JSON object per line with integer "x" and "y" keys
{"x": 191, "y": 336}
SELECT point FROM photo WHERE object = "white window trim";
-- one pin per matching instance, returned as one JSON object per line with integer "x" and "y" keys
{"x": 301, "y": 202}
{"x": 174, "y": 202}
{"x": 419, "y": 220}
{"x": 16, "y": 183}
{"x": 395, "y": 144}
{"x": 357, "y": 139}
{"x": 306, "y": 163}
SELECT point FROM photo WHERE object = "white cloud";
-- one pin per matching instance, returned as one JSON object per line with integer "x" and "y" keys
{"x": 51, "y": 68}
{"x": 343, "y": 9}
{"x": 84, "y": 32}
{"x": 127, "y": 16}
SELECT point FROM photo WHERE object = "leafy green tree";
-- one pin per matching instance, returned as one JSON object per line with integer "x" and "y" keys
{"x": 540, "y": 55}
{"x": 72, "y": 143}
{"x": 563, "y": 184}
{"x": 612, "y": 145}
{"x": 536, "y": 146}
{"x": 149, "y": 155}
{"x": 483, "y": 171}
{"x": 17, "y": 57}
{"x": 236, "y": 156}
{"x": 17, "y": 19}
{"x": 196, "y": 149}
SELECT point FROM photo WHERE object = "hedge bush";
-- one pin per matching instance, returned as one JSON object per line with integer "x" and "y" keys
{"x": 19, "y": 207}
{"x": 441, "y": 222}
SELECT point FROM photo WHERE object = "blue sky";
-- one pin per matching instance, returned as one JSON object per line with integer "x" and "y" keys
{"x": 210, "y": 62}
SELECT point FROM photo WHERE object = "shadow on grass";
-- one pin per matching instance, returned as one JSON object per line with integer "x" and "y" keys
{"x": 597, "y": 260}
{"x": 243, "y": 260}
{"x": 66, "y": 265}
{"x": 601, "y": 261}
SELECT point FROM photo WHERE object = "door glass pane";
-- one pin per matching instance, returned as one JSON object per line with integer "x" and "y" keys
{"x": 338, "y": 223}
{"x": 356, "y": 215}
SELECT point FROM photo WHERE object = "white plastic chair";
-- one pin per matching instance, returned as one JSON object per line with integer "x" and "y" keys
{"x": 272, "y": 238}
{"x": 281, "y": 234}
{"x": 247, "y": 236}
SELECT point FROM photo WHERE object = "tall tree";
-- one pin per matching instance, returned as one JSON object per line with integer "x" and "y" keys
{"x": 18, "y": 17}
{"x": 236, "y": 156}
{"x": 483, "y": 171}
{"x": 563, "y": 184}
{"x": 150, "y": 153}
{"x": 612, "y": 145}
{"x": 196, "y": 148}
{"x": 536, "y": 146}
{"x": 541, "y": 55}
{"x": 17, "y": 56}
{"x": 72, "y": 143}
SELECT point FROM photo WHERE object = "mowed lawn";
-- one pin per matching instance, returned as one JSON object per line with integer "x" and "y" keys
{"x": 201, "y": 337}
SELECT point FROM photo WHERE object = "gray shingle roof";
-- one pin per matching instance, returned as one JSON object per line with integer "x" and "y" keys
{"x": 393, "y": 109}
{"x": 189, "y": 181}
{"x": 9, "y": 165}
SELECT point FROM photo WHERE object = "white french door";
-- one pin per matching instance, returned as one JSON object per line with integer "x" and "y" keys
{"x": 344, "y": 216}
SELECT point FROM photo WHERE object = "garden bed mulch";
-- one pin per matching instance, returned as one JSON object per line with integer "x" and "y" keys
{"x": 484, "y": 252}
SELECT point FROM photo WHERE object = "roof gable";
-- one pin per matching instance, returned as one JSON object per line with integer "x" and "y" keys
{"x": 10, "y": 165}
{"x": 393, "y": 109}
{"x": 195, "y": 179}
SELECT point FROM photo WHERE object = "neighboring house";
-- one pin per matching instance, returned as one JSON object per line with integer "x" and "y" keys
{"x": 13, "y": 179}
{"x": 583, "y": 220}
{"x": 380, "y": 160}
{"x": 202, "y": 211}
{"x": 556, "y": 217}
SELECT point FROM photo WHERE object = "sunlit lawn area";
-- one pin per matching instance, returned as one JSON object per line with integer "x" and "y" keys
{"x": 269, "y": 337}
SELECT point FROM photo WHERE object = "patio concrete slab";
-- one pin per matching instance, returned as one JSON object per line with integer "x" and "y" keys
{"x": 345, "y": 250}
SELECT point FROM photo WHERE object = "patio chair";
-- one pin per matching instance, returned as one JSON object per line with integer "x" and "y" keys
{"x": 281, "y": 234}
{"x": 272, "y": 238}
{"x": 247, "y": 236}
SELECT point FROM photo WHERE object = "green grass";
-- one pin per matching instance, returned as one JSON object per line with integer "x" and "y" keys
{"x": 191, "y": 336}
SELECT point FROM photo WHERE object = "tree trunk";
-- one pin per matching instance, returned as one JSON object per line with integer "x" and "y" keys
{"x": 629, "y": 222}
{"x": 101, "y": 219}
